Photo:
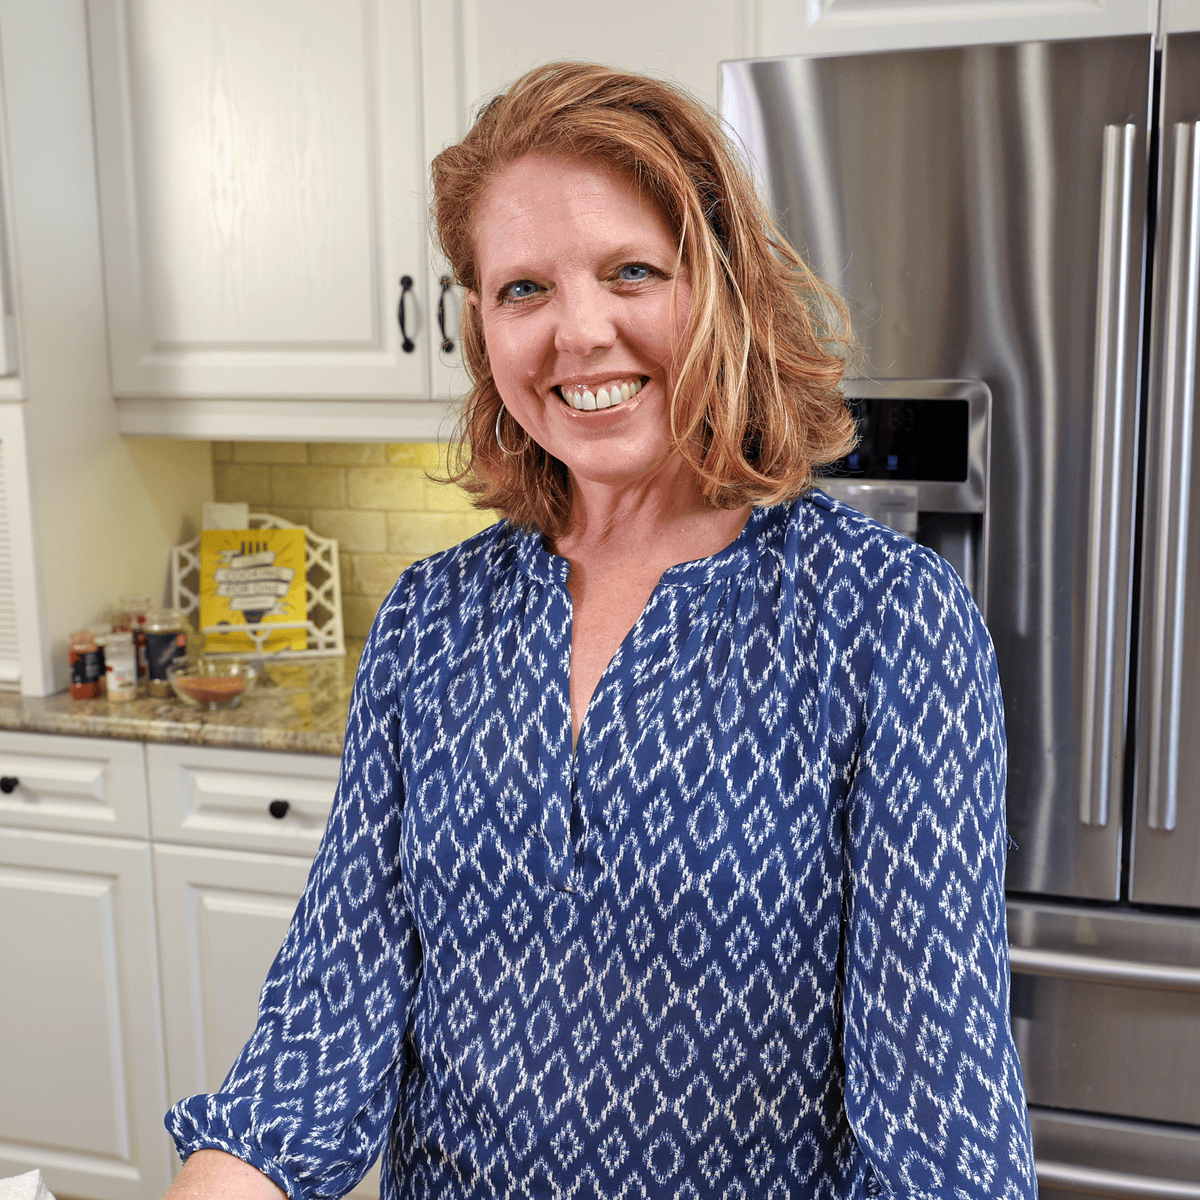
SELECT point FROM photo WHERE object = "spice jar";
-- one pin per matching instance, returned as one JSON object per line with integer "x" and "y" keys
{"x": 120, "y": 665}
{"x": 166, "y": 646}
{"x": 87, "y": 665}
{"x": 132, "y": 615}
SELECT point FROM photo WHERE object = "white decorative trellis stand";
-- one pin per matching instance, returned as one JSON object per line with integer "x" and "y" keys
{"x": 322, "y": 594}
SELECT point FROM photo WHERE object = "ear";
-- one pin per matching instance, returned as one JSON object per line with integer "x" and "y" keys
{"x": 473, "y": 297}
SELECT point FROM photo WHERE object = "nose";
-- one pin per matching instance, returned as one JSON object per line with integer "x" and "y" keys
{"x": 585, "y": 322}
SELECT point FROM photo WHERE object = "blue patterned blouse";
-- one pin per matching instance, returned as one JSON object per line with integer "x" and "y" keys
{"x": 748, "y": 940}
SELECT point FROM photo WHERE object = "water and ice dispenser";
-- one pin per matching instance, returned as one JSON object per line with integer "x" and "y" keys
{"x": 921, "y": 466}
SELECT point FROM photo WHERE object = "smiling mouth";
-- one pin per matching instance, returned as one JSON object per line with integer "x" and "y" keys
{"x": 609, "y": 396}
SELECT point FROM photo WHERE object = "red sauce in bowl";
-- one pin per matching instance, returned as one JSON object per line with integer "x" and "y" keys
{"x": 211, "y": 689}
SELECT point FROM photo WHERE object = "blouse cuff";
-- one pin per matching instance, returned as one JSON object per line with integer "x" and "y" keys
{"x": 198, "y": 1124}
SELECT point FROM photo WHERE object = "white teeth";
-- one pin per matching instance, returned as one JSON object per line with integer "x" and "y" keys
{"x": 587, "y": 401}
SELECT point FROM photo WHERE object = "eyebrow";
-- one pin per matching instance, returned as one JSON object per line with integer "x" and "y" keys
{"x": 621, "y": 254}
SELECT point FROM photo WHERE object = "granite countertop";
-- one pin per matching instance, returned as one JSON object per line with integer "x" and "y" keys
{"x": 300, "y": 707}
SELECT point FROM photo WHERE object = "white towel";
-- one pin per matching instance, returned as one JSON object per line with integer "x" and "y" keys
{"x": 24, "y": 1187}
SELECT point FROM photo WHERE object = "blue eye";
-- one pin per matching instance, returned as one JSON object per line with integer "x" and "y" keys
{"x": 522, "y": 289}
{"x": 635, "y": 272}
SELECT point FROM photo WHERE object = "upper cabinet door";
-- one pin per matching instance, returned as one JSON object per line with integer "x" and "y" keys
{"x": 859, "y": 26}
{"x": 261, "y": 180}
{"x": 475, "y": 48}
{"x": 1180, "y": 16}
{"x": 679, "y": 40}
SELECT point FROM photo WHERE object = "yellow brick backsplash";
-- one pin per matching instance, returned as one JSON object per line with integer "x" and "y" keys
{"x": 358, "y": 612}
{"x": 425, "y": 456}
{"x": 389, "y": 488}
{"x": 269, "y": 452}
{"x": 243, "y": 481}
{"x": 347, "y": 454}
{"x": 374, "y": 574}
{"x": 323, "y": 487}
{"x": 375, "y": 498}
{"x": 419, "y": 539}
{"x": 356, "y": 532}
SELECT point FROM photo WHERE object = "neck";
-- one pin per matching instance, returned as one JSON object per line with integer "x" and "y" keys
{"x": 657, "y": 522}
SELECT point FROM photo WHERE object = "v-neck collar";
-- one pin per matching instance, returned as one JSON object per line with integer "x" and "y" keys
{"x": 545, "y": 567}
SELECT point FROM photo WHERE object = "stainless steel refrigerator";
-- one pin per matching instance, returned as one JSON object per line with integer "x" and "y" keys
{"x": 1022, "y": 222}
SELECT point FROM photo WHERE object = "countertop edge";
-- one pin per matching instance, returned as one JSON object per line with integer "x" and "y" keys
{"x": 297, "y": 707}
{"x": 196, "y": 732}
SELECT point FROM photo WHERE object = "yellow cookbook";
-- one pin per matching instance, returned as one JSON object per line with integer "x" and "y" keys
{"x": 255, "y": 578}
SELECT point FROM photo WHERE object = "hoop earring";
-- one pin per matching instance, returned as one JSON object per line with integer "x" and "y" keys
{"x": 500, "y": 441}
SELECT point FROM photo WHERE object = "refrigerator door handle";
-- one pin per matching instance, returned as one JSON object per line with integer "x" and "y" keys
{"x": 1095, "y": 968}
{"x": 1094, "y": 1181}
{"x": 1109, "y": 525}
{"x": 1174, "y": 478}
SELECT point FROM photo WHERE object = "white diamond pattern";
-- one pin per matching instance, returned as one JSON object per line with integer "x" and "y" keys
{"x": 747, "y": 941}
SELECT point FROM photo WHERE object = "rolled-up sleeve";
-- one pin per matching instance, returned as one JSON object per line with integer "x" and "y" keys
{"x": 311, "y": 1096}
{"x": 933, "y": 1084}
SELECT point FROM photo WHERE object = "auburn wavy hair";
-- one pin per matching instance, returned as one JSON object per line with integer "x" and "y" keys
{"x": 757, "y": 401}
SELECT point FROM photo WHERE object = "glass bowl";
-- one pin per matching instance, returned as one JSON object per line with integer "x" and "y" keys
{"x": 211, "y": 684}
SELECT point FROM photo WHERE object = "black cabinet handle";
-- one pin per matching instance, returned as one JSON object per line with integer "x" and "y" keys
{"x": 447, "y": 343}
{"x": 407, "y": 344}
{"x": 278, "y": 809}
{"x": 9, "y": 784}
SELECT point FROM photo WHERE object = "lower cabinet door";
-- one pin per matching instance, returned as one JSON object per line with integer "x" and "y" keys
{"x": 222, "y": 915}
{"x": 82, "y": 1092}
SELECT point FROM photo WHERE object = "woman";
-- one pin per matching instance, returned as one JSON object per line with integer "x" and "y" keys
{"x": 667, "y": 857}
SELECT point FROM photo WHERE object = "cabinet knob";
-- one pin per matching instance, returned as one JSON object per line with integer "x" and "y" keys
{"x": 9, "y": 784}
{"x": 406, "y": 344}
{"x": 277, "y": 808}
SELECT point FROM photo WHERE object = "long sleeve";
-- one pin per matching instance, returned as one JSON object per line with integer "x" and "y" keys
{"x": 311, "y": 1096}
{"x": 933, "y": 1084}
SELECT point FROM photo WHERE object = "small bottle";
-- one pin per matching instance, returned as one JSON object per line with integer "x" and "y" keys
{"x": 166, "y": 646}
{"x": 120, "y": 665}
{"x": 134, "y": 610}
{"x": 87, "y": 666}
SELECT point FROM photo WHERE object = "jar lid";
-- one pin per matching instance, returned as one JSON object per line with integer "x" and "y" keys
{"x": 164, "y": 620}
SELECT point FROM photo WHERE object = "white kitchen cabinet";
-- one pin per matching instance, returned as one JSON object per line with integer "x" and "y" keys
{"x": 223, "y": 904}
{"x": 11, "y": 384}
{"x": 475, "y": 48}
{"x": 73, "y": 784}
{"x": 132, "y": 961}
{"x": 486, "y": 44}
{"x": 222, "y": 918}
{"x": 1180, "y": 16}
{"x": 858, "y": 26}
{"x": 262, "y": 170}
{"x": 81, "y": 1045}
{"x": 81, "y": 1042}
{"x": 21, "y": 662}
{"x": 261, "y": 176}
{"x": 205, "y": 796}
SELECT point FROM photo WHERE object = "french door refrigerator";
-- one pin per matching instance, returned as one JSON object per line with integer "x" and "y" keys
{"x": 1027, "y": 218}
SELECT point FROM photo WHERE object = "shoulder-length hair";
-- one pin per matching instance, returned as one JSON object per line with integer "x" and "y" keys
{"x": 757, "y": 401}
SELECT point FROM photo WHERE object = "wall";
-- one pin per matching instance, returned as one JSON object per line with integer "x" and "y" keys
{"x": 105, "y": 511}
{"x": 375, "y": 498}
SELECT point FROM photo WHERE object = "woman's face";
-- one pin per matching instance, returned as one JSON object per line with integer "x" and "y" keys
{"x": 581, "y": 307}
